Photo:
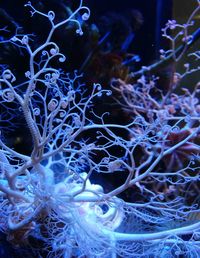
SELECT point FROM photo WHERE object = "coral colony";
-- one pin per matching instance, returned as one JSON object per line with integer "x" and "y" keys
{"x": 50, "y": 196}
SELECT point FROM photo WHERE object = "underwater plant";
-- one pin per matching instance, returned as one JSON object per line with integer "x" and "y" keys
{"x": 50, "y": 195}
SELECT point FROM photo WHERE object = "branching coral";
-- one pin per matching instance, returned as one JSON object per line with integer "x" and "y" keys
{"x": 48, "y": 195}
